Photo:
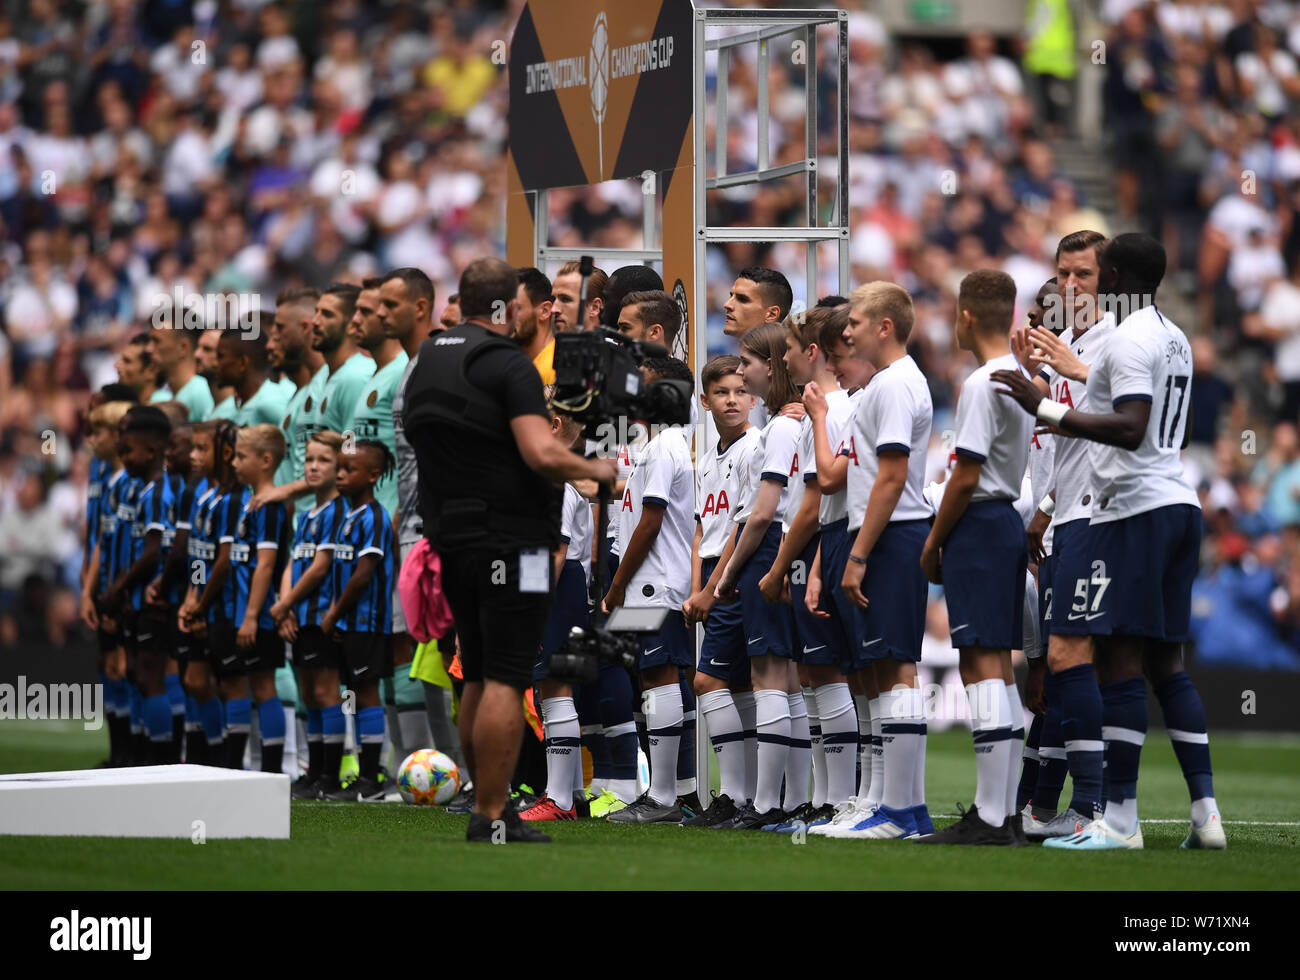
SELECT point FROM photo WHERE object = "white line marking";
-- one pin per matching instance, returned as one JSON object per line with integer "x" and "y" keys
{"x": 1226, "y": 823}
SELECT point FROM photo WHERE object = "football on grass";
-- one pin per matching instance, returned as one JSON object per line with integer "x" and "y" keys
{"x": 428, "y": 778}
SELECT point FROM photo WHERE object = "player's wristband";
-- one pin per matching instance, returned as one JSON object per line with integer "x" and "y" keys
{"x": 856, "y": 559}
{"x": 1047, "y": 505}
{"x": 1051, "y": 412}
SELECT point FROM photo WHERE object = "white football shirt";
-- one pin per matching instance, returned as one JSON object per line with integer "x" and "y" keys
{"x": 804, "y": 454}
{"x": 663, "y": 474}
{"x": 839, "y": 424}
{"x": 577, "y": 528}
{"x": 774, "y": 459}
{"x": 1147, "y": 359}
{"x": 894, "y": 412}
{"x": 718, "y": 488}
{"x": 1042, "y": 453}
{"x": 625, "y": 455}
{"x": 1072, "y": 474}
{"x": 993, "y": 430}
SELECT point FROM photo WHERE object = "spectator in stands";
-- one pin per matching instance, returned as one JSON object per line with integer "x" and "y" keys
{"x": 1283, "y": 474}
{"x": 1210, "y": 395}
{"x": 1137, "y": 66}
{"x": 1238, "y": 607}
{"x": 29, "y": 534}
{"x": 1278, "y": 322}
{"x": 1188, "y": 131}
{"x": 1048, "y": 42}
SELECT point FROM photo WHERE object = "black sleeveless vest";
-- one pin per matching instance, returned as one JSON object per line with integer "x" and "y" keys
{"x": 510, "y": 505}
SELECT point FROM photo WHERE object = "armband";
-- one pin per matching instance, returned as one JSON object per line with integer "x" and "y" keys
{"x": 1051, "y": 412}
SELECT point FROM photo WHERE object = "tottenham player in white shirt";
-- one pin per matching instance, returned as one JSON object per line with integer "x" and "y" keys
{"x": 883, "y": 577}
{"x": 723, "y": 671}
{"x": 1067, "y": 507}
{"x": 558, "y": 710}
{"x": 977, "y": 551}
{"x": 770, "y": 626}
{"x": 1143, "y": 543}
{"x": 1043, "y": 771}
{"x": 821, "y": 655}
{"x": 758, "y": 296}
{"x": 835, "y": 452}
{"x": 656, "y": 525}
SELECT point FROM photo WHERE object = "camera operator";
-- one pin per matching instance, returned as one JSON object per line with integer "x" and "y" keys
{"x": 490, "y": 471}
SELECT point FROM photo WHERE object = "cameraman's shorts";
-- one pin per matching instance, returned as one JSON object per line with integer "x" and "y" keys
{"x": 500, "y": 628}
{"x": 570, "y": 610}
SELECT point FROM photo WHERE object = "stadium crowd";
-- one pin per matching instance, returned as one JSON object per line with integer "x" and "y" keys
{"x": 250, "y": 148}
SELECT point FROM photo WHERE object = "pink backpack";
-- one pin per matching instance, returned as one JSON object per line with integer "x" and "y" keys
{"x": 419, "y": 587}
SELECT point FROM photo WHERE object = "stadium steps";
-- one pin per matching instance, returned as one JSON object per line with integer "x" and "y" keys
{"x": 1087, "y": 163}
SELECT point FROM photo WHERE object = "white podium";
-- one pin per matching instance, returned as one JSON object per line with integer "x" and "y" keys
{"x": 195, "y": 802}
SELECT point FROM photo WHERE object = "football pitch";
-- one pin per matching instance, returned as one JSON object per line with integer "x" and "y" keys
{"x": 395, "y": 846}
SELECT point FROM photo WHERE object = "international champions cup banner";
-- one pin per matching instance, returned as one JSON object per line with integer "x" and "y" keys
{"x": 602, "y": 90}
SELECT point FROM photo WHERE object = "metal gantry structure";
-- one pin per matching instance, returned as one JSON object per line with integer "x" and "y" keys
{"x": 733, "y": 28}
{"x": 767, "y": 25}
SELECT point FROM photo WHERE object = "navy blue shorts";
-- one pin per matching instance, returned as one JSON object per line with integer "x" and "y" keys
{"x": 769, "y": 626}
{"x": 611, "y": 566}
{"x": 846, "y": 618}
{"x": 817, "y": 641}
{"x": 984, "y": 564}
{"x": 674, "y": 644}
{"x": 722, "y": 654}
{"x": 1046, "y": 573}
{"x": 895, "y": 585}
{"x": 1141, "y": 573}
{"x": 1071, "y": 563}
{"x": 570, "y": 610}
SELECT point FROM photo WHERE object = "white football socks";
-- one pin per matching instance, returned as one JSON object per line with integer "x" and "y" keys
{"x": 663, "y": 722}
{"x": 863, "y": 705}
{"x": 563, "y": 749}
{"x": 798, "y": 765}
{"x": 1017, "y": 745}
{"x": 772, "y": 719}
{"x": 990, "y": 722}
{"x": 918, "y": 770}
{"x": 818, "y": 755}
{"x": 748, "y": 711}
{"x": 839, "y": 722}
{"x": 876, "y": 791}
{"x": 728, "y": 737}
{"x": 903, "y": 715}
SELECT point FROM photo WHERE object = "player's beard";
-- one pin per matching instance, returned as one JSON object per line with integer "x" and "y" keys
{"x": 290, "y": 363}
{"x": 525, "y": 331}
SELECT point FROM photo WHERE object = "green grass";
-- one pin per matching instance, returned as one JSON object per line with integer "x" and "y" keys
{"x": 396, "y": 846}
